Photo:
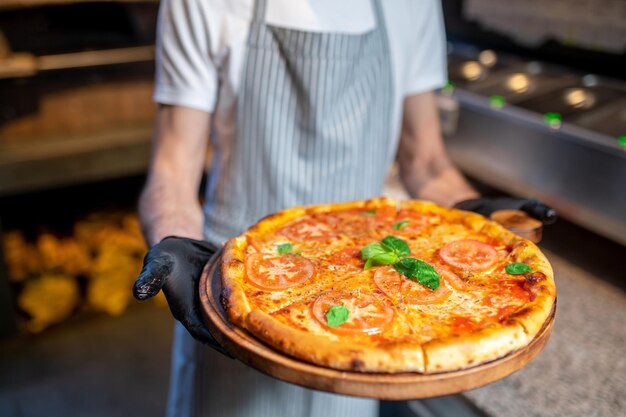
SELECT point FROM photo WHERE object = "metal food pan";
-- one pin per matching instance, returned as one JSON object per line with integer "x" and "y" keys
{"x": 574, "y": 102}
{"x": 610, "y": 119}
{"x": 524, "y": 82}
{"x": 469, "y": 73}
{"x": 490, "y": 74}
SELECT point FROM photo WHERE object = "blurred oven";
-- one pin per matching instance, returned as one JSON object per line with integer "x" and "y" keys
{"x": 75, "y": 91}
{"x": 76, "y": 119}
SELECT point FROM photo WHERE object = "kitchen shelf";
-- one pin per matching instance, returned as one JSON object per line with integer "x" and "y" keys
{"x": 14, "y": 4}
{"x": 40, "y": 163}
{"x": 28, "y": 65}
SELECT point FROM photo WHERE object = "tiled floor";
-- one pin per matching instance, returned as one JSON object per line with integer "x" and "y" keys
{"x": 92, "y": 366}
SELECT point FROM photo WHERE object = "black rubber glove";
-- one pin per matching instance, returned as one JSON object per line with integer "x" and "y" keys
{"x": 175, "y": 265}
{"x": 486, "y": 206}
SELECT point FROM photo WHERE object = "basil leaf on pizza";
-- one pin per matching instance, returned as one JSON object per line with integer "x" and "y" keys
{"x": 387, "y": 252}
{"x": 399, "y": 246}
{"x": 387, "y": 258}
{"x": 517, "y": 268}
{"x": 369, "y": 213}
{"x": 337, "y": 315}
{"x": 284, "y": 248}
{"x": 374, "y": 249}
{"x": 419, "y": 271}
{"x": 400, "y": 225}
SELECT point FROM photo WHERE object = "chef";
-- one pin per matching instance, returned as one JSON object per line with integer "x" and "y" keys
{"x": 305, "y": 102}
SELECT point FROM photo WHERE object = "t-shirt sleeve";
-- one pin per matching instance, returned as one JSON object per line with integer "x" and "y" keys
{"x": 427, "y": 69}
{"x": 186, "y": 72}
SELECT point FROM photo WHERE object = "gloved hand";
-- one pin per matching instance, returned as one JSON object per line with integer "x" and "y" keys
{"x": 175, "y": 265}
{"x": 486, "y": 206}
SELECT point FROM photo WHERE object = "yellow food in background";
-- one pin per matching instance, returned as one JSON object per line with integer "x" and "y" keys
{"x": 65, "y": 255}
{"x": 111, "y": 279}
{"x": 21, "y": 257}
{"x": 48, "y": 299}
{"x": 104, "y": 254}
{"x": 109, "y": 294}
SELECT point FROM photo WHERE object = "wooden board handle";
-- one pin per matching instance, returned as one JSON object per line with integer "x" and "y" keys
{"x": 519, "y": 223}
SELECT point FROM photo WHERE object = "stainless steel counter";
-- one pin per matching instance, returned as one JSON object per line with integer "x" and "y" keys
{"x": 580, "y": 173}
{"x": 541, "y": 130}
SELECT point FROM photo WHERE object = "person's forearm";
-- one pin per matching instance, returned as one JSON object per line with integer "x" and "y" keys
{"x": 165, "y": 211}
{"x": 169, "y": 205}
{"x": 446, "y": 187}
{"x": 425, "y": 169}
{"x": 172, "y": 219}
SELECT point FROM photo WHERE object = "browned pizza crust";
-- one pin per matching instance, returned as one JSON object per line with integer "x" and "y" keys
{"x": 461, "y": 352}
{"x": 436, "y": 355}
{"x": 233, "y": 271}
{"x": 336, "y": 354}
{"x": 371, "y": 204}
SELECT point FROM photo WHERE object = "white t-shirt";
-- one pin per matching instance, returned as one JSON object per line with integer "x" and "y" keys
{"x": 201, "y": 47}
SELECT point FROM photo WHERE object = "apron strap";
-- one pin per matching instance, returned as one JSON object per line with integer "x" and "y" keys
{"x": 258, "y": 14}
{"x": 378, "y": 12}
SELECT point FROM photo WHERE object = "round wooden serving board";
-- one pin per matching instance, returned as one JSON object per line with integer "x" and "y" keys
{"x": 404, "y": 386}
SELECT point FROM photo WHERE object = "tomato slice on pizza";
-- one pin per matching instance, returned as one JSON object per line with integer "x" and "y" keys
{"x": 469, "y": 255}
{"x": 309, "y": 229}
{"x": 278, "y": 272}
{"x": 402, "y": 289}
{"x": 451, "y": 278}
{"x": 361, "y": 221}
{"x": 325, "y": 226}
{"x": 367, "y": 314}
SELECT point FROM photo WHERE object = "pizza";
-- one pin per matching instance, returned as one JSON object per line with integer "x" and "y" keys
{"x": 386, "y": 286}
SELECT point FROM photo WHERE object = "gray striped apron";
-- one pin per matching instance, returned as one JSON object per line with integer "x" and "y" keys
{"x": 313, "y": 126}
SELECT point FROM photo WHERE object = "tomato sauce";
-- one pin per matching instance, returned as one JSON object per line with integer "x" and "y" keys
{"x": 349, "y": 256}
{"x": 461, "y": 325}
